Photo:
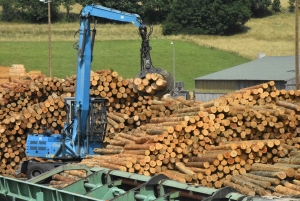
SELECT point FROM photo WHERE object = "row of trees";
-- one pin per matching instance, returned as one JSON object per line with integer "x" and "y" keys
{"x": 176, "y": 16}
{"x": 34, "y": 11}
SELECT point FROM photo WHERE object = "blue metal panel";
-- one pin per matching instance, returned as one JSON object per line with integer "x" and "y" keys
{"x": 45, "y": 146}
{"x": 42, "y": 146}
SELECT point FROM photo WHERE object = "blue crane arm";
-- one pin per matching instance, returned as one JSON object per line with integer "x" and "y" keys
{"x": 108, "y": 13}
{"x": 82, "y": 98}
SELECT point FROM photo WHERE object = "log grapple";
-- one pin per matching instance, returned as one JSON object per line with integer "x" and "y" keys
{"x": 148, "y": 68}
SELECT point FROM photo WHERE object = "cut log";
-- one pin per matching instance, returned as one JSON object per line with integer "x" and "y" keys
{"x": 290, "y": 172}
{"x": 185, "y": 170}
{"x": 280, "y": 175}
{"x": 240, "y": 188}
{"x": 262, "y": 178}
{"x": 258, "y": 189}
{"x": 286, "y": 191}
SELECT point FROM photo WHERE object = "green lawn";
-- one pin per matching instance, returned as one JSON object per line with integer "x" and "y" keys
{"x": 191, "y": 60}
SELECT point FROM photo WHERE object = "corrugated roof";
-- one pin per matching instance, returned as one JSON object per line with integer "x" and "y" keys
{"x": 266, "y": 68}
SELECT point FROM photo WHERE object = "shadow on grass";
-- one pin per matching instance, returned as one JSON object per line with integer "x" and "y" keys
{"x": 237, "y": 30}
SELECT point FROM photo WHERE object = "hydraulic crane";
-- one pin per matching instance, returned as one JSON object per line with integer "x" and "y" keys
{"x": 86, "y": 125}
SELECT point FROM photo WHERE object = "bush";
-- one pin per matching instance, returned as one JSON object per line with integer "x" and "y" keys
{"x": 260, "y": 8}
{"x": 8, "y": 12}
{"x": 276, "y": 5}
{"x": 28, "y": 11}
{"x": 130, "y": 6}
{"x": 206, "y": 17}
{"x": 291, "y": 7}
{"x": 154, "y": 12}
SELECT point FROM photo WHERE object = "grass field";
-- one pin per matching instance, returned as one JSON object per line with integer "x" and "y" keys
{"x": 272, "y": 35}
{"x": 192, "y": 60}
{"x": 118, "y": 47}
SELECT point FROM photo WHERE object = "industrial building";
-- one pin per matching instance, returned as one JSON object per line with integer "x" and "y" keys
{"x": 280, "y": 69}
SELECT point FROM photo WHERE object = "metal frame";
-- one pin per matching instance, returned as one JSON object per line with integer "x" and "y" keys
{"x": 115, "y": 185}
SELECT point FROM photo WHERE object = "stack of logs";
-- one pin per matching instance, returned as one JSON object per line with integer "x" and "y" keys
{"x": 67, "y": 177}
{"x": 151, "y": 83}
{"x": 27, "y": 106}
{"x": 207, "y": 143}
{"x": 30, "y": 106}
{"x": 212, "y": 143}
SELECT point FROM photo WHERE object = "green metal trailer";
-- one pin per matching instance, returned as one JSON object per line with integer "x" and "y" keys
{"x": 114, "y": 185}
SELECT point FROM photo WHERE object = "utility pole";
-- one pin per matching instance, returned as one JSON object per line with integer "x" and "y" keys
{"x": 174, "y": 66}
{"x": 49, "y": 40}
{"x": 49, "y": 37}
{"x": 297, "y": 44}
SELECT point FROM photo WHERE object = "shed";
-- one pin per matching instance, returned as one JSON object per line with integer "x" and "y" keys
{"x": 280, "y": 69}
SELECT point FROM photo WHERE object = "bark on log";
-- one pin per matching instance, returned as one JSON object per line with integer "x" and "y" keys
{"x": 240, "y": 188}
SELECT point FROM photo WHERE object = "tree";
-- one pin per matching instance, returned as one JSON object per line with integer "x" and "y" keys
{"x": 206, "y": 16}
{"x": 8, "y": 13}
{"x": 29, "y": 10}
{"x": 155, "y": 11}
{"x": 67, "y": 4}
{"x": 291, "y": 7}
{"x": 85, "y": 2}
{"x": 130, "y": 6}
{"x": 151, "y": 11}
{"x": 260, "y": 8}
{"x": 276, "y": 5}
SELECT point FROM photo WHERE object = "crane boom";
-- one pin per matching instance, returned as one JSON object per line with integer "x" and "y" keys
{"x": 86, "y": 42}
{"x": 112, "y": 14}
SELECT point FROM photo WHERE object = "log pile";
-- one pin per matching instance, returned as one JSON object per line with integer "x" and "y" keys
{"x": 208, "y": 143}
{"x": 67, "y": 177}
{"x": 151, "y": 83}
{"x": 16, "y": 72}
{"x": 30, "y": 106}
{"x": 213, "y": 143}
{"x": 281, "y": 178}
{"x": 27, "y": 106}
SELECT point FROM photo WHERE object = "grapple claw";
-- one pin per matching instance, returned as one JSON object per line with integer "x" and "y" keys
{"x": 150, "y": 90}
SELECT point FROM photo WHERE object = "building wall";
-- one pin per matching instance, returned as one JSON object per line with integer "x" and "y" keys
{"x": 215, "y": 86}
{"x": 290, "y": 84}
{"x": 205, "y": 97}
